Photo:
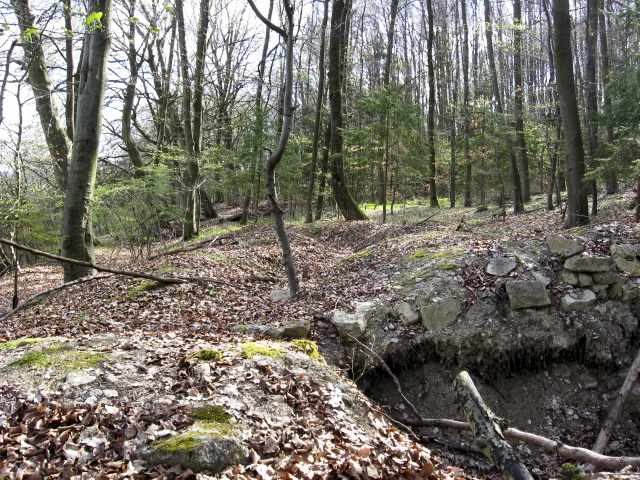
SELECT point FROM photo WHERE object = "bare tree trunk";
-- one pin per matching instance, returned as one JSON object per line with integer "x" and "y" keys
{"x": 578, "y": 207}
{"x": 38, "y": 77}
{"x": 385, "y": 83}
{"x": 323, "y": 172}
{"x": 487, "y": 431}
{"x": 611, "y": 177}
{"x": 253, "y": 185}
{"x": 515, "y": 175}
{"x": 285, "y": 130}
{"x": 336, "y": 78}
{"x": 77, "y": 229}
{"x": 591, "y": 95}
{"x": 465, "y": 100}
{"x": 192, "y": 132}
{"x": 70, "y": 102}
{"x": 616, "y": 410}
{"x": 431, "y": 114}
{"x": 129, "y": 96}
{"x": 318, "y": 120}
{"x": 519, "y": 101}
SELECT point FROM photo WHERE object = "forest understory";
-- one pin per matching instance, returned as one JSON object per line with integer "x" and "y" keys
{"x": 340, "y": 264}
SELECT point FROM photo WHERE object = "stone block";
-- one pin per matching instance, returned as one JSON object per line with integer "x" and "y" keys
{"x": 559, "y": 244}
{"x": 441, "y": 314}
{"x": 584, "y": 263}
{"x": 501, "y": 266}
{"x": 527, "y": 294}
{"x": 579, "y": 299}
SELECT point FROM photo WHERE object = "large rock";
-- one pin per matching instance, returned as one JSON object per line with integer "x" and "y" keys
{"x": 279, "y": 295}
{"x": 606, "y": 278}
{"x": 198, "y": 452}
{"x": 560, "y": 244}
{"x": 627, "y": 258}
{"x": 290, "y": 330}
{"x": 441, "y": 314}
{"x": 630, "y": 291}
{"x": 584, "y": 263}
{"x": 569, "y": 277}
{"x": 407, "y": 313}
{"x": 527, "y": 294}
{"x": 78, "y": 378}
{"x": 501, "y": 266}
{"x": 578, "y": 300}
{"x": 355, "y": 324}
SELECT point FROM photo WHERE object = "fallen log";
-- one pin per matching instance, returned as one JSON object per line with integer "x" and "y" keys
{"x": 37, "y": 296}
{"x": 190, "y": 248}
{"x": 578, "y": 454}
{"x": 614, "y": 415}
{"x": 486, "y": 430}
{"x": 100, "y": 268}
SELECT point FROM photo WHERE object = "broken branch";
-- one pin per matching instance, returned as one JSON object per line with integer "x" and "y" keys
{"x": 486, "y": 430}
{"x": 94, "y": 266}
{"x": 578, "y": 454}
{"x": 37, "y": 296}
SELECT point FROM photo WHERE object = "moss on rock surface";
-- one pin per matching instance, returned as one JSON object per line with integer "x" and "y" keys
{"x": 308, "y": 347}
{"x": 252, "y": 349}
{"x": 58, "y": 356}
{"x": 207, "y": 355}
{"x": 144, "y": 287}
{"x": 20, "y": 342}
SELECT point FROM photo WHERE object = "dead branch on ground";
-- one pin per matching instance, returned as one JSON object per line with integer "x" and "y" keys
{"x": 616, "y": 409}
{"x": 486, "y": 430}
{"x": 100, "y": 268}
{"x": 37, "y": 296}
{"x": 191, "y": 248}
{"x": 578, "y": 454}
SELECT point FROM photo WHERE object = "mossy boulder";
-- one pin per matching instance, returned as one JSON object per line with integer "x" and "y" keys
{"x": 197, "y": 452}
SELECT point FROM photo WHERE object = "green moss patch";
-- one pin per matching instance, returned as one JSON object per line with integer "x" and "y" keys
{"x": 252, "y": 349}
{"x": 208, "y": 355}
{"x": 366, "y": 253}
{"x": 571, "y": 472}
{"x": 212, "y": 420}
{"x": 20, "y": 342}
{"x": 308, "y": 347}
{"x": 144, "y": 287}
{"x": 59, "y": 356}
{"x": 447, "y": 267}
{"x": 186, "y": 442}
{"x": 447, "y": 253}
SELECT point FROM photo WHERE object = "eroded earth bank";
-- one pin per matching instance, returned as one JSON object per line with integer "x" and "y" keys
{"x": 119, "y": 378}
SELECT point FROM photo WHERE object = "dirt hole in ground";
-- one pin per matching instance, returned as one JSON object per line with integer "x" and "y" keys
{"x": 559, "y": 398}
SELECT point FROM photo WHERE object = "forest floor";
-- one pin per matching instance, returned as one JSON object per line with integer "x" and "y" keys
{"x": 245, "y": 263}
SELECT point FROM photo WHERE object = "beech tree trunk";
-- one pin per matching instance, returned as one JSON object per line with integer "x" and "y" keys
{"x": 192, "y": 119}
{"x": 519, "y": 101}
{"x": 465, "y": 101}
{"x": 337, "y": 47}
{"x": 611, "y": 177}
{"x": 55, "y": 134}
{"x": 515, "y": 175}
{"x": 487, "y": 431}
{"x": 318, "y": 117}
{"x": 578, "y": 207}
{"x": 591, "y": 95}
{"x": 129, "y": 96}
{"x": 77, "y": 229}
{"x": 285, "y": 130}
{"x": 431, "y": 113}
